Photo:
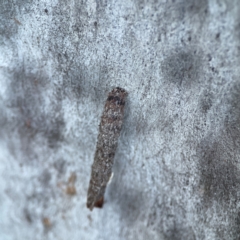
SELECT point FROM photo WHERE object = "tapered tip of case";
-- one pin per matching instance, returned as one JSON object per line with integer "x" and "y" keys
{"x": 98, "y": 204}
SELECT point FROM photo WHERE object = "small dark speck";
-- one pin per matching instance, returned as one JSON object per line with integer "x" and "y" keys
{"x": 189, "y": 39}
{"x": 191, "y": 7}
{"x": 209, "y": 57}
{"x": 95, "y": 24}
{"x": 217, "y": 35}
{"x": 45, "y": 10}
{"x": 27, "y": 216}
{"x": 17, "y": 21}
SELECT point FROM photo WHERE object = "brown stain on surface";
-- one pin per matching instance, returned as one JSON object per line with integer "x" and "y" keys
{"x": 46, "y": 222}
{"x": 71, "y": 189}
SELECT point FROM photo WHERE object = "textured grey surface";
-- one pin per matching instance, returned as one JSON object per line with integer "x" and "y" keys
{"x": 177, "y": 167}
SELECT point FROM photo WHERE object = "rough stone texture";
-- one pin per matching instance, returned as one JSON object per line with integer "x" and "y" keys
{"x": 177, "y": 166}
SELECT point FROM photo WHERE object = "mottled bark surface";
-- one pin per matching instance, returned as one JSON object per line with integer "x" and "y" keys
{"x": 177, "y": 165}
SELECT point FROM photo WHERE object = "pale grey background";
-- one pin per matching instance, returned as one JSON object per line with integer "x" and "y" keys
{"x": 177, "y": 167}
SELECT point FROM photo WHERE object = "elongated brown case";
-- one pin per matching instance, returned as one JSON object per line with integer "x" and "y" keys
{"x": 109, "y": 131}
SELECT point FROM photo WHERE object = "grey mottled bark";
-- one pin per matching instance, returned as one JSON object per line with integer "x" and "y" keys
{"x": 177, "y": 165}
